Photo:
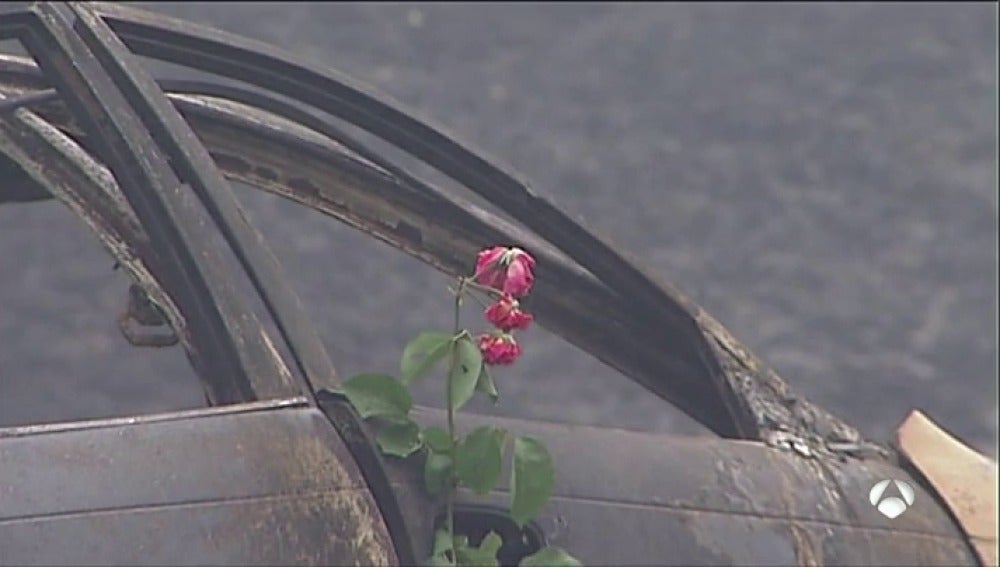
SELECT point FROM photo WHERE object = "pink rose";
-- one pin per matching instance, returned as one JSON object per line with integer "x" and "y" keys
{"x": 510, "y": 270}
{"x": 489, "y": 270}
{"x": 499, "y": 349}
{"x": 520, "y": 273}
{"x": 506, "y": 314}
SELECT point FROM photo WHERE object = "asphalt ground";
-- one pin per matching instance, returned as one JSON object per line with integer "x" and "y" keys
{"x": 821, "y": 177}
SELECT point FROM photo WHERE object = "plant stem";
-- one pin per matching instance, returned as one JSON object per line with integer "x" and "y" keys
{"x": 452, "y": 483}
{"x": 469, "y": 282}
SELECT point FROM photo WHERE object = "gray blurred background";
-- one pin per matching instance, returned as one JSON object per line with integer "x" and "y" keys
{"x": 822, "y": 178}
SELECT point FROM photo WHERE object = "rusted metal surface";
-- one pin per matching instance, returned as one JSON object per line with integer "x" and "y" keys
{"x": 273, "y": 487}
{"x": 270, "y": 486}
{"x": 698, "y": 501}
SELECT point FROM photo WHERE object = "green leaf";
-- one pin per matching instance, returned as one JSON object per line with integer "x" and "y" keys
{"x": 422, "y": 353}
{"x": 399, "y": 439}
{"x": 465, "y": 372}
{"x": 550, "y": 557}
{"x": 379, "y": 395}
{"x": 479, "y": 458}
{"x": 478, "y": 556}
{"x": 491, "y": 543}
{"x": 442, "y": 542}
{"x": 439, "y": 561}
{"x": 436, "y": 469}
{"x": 531, "y": 479}
{"x": 485, "y": 385}
{"x": 437, "y": 439}
{"x": 473, "y": 557}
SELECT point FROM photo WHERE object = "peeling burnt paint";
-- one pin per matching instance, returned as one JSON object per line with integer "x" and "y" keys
{"x": 309, "y": 461}
{"x": 806, "y": 553}
{"x": 346, "y": 517}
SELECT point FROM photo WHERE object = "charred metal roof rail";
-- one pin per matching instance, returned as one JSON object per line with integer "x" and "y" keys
{"x": 153, "y": 191}
{"x": 686, "y": 391}
{"x": 558, "y": 296}
{"x": 664, "y": 310}
{"x": 198, "y": 169}
{"x": 62, "y": 169}
{"x": 13, "y": 103}
{"x": 460, "y": 228}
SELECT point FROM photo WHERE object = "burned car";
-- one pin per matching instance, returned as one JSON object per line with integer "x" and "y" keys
{"x": 279, "y": 468}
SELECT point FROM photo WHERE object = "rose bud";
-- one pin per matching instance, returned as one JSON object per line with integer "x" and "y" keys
{"x": 499, "y": 349}
{"x": 506, "y": 315}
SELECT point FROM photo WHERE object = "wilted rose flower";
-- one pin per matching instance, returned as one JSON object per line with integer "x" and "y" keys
{"x": 520, "y": 273}
{"x": 506, "y": 314}
{"x": 489, "y": 269}
{"x": 499, "y": 349}
{"x": 510, "y": 270}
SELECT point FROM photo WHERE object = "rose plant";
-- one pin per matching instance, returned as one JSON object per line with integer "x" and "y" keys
{"x": 501, "y": 276}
